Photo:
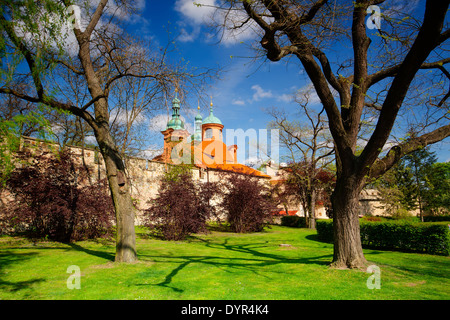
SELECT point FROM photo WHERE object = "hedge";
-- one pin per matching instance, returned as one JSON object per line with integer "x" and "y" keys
{"x": 436, "y": 218}
{"x": 293, "y": 221}
{"x": 432, "y": 238}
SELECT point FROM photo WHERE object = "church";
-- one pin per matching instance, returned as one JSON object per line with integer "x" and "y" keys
{"x": 204, "y": 148}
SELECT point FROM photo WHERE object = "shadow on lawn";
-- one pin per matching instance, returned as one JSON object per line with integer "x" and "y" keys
{"x": 7, "y": 258}
{"x": 253, "y": 262}
{"x": 100, "y": 254}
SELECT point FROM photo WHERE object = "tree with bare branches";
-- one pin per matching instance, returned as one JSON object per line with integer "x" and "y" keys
{"x": 408, "y": 50}
{"x": 309, "y": 151}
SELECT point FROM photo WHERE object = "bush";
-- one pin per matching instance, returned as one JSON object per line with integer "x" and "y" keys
{"x": 433, "y": 238}
{"x": 436, "y": 218}
{"x": 52, "y": 199}
{"x": 182, "y": 207}
{"x": 369, "y": 218}
{"x": 293, "y": 221}
{"x": 325, "y": 230}
{"x": 246, "y": 203}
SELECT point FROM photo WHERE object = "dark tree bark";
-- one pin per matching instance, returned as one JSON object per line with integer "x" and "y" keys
{"x": 347, "y": 242}
{"x": 290, "y": 32}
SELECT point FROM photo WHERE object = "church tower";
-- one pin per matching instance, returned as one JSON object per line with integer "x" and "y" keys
{"x": 197, "y": 136}
{"x": 212, "y": 127}
{"x": 175, "y": 131}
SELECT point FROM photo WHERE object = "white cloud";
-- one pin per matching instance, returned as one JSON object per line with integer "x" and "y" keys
{"x": 120, "y": 116}
{"x": 196, "y": 11}
{"x": 260, "y": 93}
{"x": 285, "y": 97}
{"x": 116, "y": 8}
{"x": 238, "y": 102}
{"x": 234, "y": 33}
{"x": 185, "y": 36}
{"x": 203, "y": 13}
{"x": 308, "y": 92}
{"x": 196, "y": 14}
{"x": 90, "y": 140}
{"x": 78, "y": 15}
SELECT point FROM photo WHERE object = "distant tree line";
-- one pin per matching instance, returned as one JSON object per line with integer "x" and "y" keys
{"x": 417, "y": 182}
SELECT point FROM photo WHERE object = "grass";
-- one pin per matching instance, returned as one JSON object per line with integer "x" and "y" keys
{"x": 215, "y": 266}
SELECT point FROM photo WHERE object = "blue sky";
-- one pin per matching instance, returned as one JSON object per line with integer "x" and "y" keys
{"x": 246, "y": 88}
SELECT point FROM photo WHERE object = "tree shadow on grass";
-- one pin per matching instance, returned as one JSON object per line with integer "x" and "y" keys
{"x": 252, "y": 261}
{"x": 96, "y": 253}
{"x": 7, "y": 258}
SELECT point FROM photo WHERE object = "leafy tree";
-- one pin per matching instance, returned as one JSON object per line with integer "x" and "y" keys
{"x": 416, "y": 182}
{"x": 437, "y": 194}
{"x": 412, "y": 177}
{"x": 247, "y": 203}
{"x": 12, "y": 125}
{"x": 391, "y": 193}
{"x": 96, "y": 50}
{"x": 182, "y": 207}
{"x": 53, "y": 199}
{"x": 310, "y": 186}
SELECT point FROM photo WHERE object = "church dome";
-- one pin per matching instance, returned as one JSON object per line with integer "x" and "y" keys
{"x": 175, "y": 123}
{"x": 211, "y": 118}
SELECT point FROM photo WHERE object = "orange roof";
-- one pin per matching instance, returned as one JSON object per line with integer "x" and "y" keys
{"x": 216, "y": 155}
{"x": 283, "y": 213}
{"x": 238, "y": 168}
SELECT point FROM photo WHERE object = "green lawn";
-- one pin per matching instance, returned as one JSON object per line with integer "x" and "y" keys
{"x": 215, "y": 266}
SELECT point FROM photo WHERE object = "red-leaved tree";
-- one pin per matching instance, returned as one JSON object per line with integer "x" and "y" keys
{"x": 53, "y": 199}
{"x": 247, "y": 203}
{"x": 182, "y": 207}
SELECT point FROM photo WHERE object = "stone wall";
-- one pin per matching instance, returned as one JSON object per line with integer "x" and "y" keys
{"x": 144, "y": 175}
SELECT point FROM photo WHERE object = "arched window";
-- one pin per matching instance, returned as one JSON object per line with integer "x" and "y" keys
{"x": 208, "y": 133}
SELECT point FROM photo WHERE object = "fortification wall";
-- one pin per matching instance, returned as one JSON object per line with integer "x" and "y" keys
{"x": 144, "y": 175}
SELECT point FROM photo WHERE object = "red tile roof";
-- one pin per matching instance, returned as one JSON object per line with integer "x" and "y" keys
{"x": 283, "y": 213}
{"x": 216, "y": 155}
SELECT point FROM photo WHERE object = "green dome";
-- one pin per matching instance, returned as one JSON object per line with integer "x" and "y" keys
{"x": 211, "y": 118}
{"x": 175, "y": 123}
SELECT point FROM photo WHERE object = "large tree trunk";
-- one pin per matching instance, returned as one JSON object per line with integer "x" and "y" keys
{"x": 347, "y": 241}
{"x": 312, "y": 210}
{"x": 115, "y": 168}
{"x": 121, "y": 197}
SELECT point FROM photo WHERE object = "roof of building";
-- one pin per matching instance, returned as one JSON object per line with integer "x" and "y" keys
{"x": 216, "y": 155}
{"x": 238, "y": 168}
{"x": 283, "y": 213}
{"x": 211, "y": 118}
{"x": 175, "y": 123}
{"x": 212, "y": 153}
